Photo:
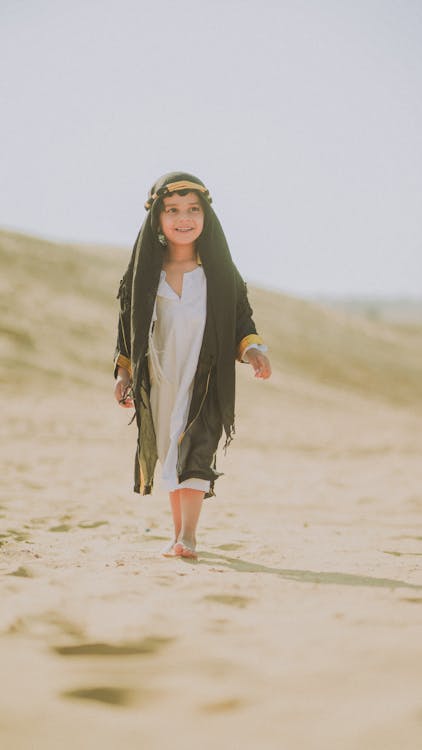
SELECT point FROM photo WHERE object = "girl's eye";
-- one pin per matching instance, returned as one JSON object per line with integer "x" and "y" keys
{"x": 195, "y": 209}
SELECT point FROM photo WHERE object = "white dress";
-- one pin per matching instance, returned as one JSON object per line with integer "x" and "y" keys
{"x": 175, "y": 340}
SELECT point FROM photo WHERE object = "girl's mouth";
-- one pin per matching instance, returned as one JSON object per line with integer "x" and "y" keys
{"x": 185, "y": 229}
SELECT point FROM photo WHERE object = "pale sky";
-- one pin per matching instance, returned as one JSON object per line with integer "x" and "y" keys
{"x": 304, "y": 119}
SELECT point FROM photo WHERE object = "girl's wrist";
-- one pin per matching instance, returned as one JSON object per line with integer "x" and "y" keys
{"x": 123, "y": 375}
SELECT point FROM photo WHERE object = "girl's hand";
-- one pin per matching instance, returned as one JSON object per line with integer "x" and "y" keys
{"x": 259, "y": 362}
{"x": 122, "y": 390}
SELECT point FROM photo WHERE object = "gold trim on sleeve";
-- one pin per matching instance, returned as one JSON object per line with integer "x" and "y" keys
{"x": 253, "y": 338}
{"x": 122, "y": 361}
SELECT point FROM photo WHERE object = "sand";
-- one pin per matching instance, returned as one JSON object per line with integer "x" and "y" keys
{"x": 298, "y": 627}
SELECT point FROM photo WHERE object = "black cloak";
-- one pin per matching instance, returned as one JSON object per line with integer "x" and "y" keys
{"x": 229, "y": 328}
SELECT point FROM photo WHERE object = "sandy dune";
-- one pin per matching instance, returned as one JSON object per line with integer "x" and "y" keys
{"x": 299, "y": 628}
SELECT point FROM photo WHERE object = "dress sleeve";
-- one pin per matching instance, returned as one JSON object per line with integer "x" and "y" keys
{"x": 246, "y": 334}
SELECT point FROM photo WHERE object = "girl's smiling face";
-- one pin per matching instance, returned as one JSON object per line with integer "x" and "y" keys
{"x": 182, "y": 218}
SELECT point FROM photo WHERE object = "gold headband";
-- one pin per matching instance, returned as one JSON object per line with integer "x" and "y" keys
{"x": 172, "y": 187}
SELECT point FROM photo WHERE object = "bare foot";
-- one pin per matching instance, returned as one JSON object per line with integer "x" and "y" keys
{"x": 169, "y": 550}
{"x": 183, "y": 549}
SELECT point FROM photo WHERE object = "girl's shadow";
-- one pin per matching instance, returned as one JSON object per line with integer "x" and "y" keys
{"x": 304, "y": 576}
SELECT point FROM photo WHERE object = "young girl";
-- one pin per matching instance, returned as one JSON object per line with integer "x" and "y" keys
{"x": 184, "y": 318}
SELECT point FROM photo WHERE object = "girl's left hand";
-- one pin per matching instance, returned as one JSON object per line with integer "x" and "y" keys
{"x": 259, "y": 362}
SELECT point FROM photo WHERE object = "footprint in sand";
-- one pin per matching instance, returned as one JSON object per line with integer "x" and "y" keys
{"x": 19, "y": 536}
{"x": 229, "y": 547}
{"x": 93, "y": 525}
{"x": 149, "y": 645}
{"x": 224, "y": 706}
{"x": 61, "y": 527}
{"x": 401, "y": 554}
{"x": 114, "y": 696}
{"x": 231, "y": 599}
{"x": 21, "y": 573}
{"x": 32, "y": 485}
{"x": 38, "y": 522}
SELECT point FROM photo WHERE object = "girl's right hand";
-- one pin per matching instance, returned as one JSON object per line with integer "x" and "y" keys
{"x": 122, "y": 391}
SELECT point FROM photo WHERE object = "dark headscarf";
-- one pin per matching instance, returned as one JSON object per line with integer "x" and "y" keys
{"x": 144, "y": 275}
